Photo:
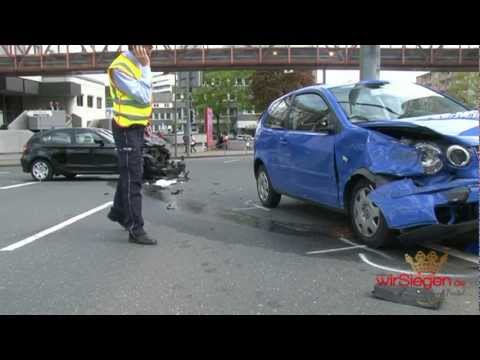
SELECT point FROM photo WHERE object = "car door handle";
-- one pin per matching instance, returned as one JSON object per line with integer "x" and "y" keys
{"x": 283, "y": 141}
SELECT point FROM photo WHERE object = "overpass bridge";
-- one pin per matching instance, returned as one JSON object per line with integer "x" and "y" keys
{"x": 27, "y": 60}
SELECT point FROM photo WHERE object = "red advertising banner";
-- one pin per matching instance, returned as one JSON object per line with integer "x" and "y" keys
{"x": 209, "y": 127}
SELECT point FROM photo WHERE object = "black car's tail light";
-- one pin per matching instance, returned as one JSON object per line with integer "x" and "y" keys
{"x": 26, "y": 148}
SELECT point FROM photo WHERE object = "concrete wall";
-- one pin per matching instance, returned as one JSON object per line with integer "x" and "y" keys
{"x": 12, "y": 141}
{"x": 88, "y": 87}
{"x": 20, "y": 123}
{"x": 44, "y": 120}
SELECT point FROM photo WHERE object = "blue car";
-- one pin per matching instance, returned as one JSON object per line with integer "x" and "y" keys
{"x": 400, "y": 159}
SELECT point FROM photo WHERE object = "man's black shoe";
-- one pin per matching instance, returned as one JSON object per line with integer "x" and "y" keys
{"x": 143, "y": 239}
{"x": 115, "y": 218}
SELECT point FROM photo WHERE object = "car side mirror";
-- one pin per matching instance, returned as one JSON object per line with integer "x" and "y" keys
{"x": 100, "y": 142}
{"x": 326, "y": 125}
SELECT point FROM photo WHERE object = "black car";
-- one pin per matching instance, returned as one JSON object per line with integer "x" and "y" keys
{"x": 72, "y": 151}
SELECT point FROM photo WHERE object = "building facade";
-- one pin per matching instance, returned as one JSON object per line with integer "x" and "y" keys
{"x": 169, "y": 93}
{"x": 82, "y": 98}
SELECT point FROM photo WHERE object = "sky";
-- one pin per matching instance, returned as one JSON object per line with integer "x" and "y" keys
{"x": 338, "y": 77}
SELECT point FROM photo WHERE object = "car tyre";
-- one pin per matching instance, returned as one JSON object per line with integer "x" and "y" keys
{"x": 41, "y": 170}
{"x": 368, "y": 222}
{"x": 267, "y": 195}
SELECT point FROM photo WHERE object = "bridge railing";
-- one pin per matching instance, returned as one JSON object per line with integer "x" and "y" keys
{"x": 32, "y": 59}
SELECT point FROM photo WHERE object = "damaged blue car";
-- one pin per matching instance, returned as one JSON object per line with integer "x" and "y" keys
{"x": 400, "y": 159}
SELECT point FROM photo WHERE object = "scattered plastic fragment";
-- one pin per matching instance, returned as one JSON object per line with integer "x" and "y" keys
{"x": 165, "y": 183}
{"x": 421, "y": 297}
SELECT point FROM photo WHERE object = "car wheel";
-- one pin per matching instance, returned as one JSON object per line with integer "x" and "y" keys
{"x": 367, "y": 219}
{"x": 70, "y": 176}
{"x": 41, "y": 170}
{"x": 269, "y": 197}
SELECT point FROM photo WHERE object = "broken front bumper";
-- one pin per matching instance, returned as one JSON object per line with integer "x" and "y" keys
{"x": 173, "y": 170}
{"x": 441, "y": 231}
{"x": 441, "y": 209}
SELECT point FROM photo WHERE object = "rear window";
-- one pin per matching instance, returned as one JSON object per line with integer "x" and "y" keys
{"x": 57, "y": 138}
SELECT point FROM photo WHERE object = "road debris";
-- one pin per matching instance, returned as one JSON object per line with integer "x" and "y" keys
{"x": 172, "y": 206}
{"x": 421, "y": 297}
{"x": 165, "y": 183}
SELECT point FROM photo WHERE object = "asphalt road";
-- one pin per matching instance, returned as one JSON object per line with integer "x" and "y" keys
{"x": 219, "y": 252}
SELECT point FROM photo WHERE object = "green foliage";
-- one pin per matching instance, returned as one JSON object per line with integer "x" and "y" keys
{"x": 466, "y": 88}
{"x": 220, "y": 91}
{"x": 268, "y": 85}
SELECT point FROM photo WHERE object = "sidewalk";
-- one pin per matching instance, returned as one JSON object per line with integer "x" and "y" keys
{"x": 14, "y": 160}
{"x": 212, "y": 153}
{"x": 10, "y": 159}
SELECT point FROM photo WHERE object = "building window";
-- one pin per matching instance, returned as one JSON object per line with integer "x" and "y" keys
{"x": 90, "y": 101}
{"x": 99, "y": 103}
{"x": 80, "y": 100}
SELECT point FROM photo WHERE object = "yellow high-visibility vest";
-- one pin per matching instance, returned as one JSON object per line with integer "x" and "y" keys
{"x": 126, "y": 110}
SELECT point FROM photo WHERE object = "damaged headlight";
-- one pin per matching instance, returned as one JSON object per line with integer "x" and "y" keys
{"x": 430, "y": 157}
{"x": 458, "y": 156}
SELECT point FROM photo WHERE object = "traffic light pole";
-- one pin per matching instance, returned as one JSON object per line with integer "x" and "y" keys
{"x": 369, "y": 62}
{"x": 175, "y": 115}
{"x": 188, "y": 125}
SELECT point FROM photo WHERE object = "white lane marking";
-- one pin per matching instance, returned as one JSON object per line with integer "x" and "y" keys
{"x": 335, "y": 250}
{"x": 243, "y": 209}
{"x": 217, "y": 157}
{"x": 4, "y": 172}
{"x": 453, "y": 252}
{"x": 230, "y": 161}
{"x": 366, "y": 248}
{"x": 19, "y": 185}
{"x": 55, "y": 228}
{"x": 386, "y": 268}
{"x": 261, "y": 207}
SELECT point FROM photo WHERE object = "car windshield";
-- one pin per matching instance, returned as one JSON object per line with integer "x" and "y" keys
{"x": 390, "y": 101}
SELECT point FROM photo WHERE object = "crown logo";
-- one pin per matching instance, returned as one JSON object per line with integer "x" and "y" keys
{"x": 430, "y": 263}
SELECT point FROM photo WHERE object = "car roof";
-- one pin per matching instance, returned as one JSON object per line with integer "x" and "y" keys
{"x": 72, "y": 129}
{"x": 329, "y": 86}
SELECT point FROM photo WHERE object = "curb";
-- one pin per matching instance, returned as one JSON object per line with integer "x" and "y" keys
{"x": 17, "y": 163}
{"x": 211, "y": 156}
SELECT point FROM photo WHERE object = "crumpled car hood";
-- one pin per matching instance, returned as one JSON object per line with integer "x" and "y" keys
{"x": 462, "y": 126}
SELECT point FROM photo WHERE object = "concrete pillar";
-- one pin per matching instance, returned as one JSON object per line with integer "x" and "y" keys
{"x": 369, "y": 62}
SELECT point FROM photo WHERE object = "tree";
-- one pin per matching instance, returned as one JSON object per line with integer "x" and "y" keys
{"x": 221, "y": 90}
{"x": 465, "y": 87}
{"x": 268, "y": 85}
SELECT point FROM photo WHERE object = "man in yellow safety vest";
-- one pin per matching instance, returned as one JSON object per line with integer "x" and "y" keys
{"x": 131, "y": 91}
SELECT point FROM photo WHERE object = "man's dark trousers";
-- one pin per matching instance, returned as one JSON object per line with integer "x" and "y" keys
{"x": 128, "y": 196}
